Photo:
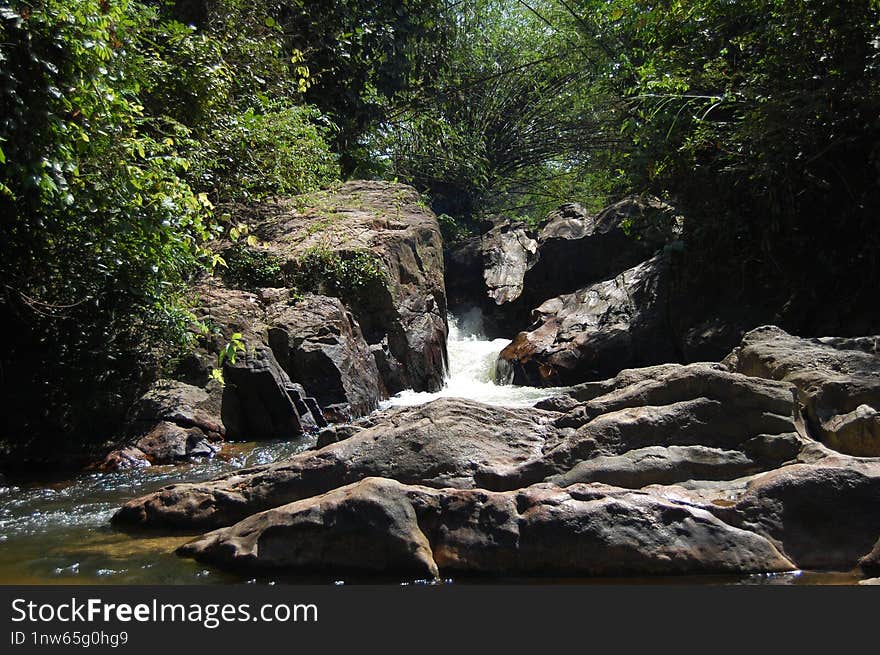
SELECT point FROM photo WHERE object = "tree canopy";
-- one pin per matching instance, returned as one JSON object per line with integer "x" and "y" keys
{"x": 126, "y": 126}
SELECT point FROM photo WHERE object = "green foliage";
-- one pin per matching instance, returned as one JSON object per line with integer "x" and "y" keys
{"x": 366, "y": 58}
{"x": 509, "y": 125}
{"x": 760, "y": 119}
{"x": 250, "y": 268}
{"x": 100, "y": 228}
{"x": 228, "y": 353}
{"x": 349, "y": 275}
{"x": 282, "y": 151}
{"x": 119, "y": 127}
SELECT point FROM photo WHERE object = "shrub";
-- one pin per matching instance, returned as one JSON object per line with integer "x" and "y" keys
{"x": 349, "y": 275}
{"x": 250, "y": 268}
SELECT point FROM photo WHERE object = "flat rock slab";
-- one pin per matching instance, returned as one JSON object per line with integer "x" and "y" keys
{"x": 383, "y": 525}
{"x": 446, "y": 443}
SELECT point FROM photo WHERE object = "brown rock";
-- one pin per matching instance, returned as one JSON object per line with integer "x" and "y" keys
{"x": 838, "y": 382}
{"x": 320, "y": 345}
{"x": 382, "y": 525}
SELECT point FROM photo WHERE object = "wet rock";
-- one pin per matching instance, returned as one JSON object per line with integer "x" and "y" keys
{"x": 122, "y": 459}
{"x": 463, "y": 444}
{"x": 183, "y": 404}
{"x": 320, "y": 345}
{"x": 487, "y": 273}
{"x": 382, "y": 525}
{"x": 172, "y": 422}
{"x": 595, "y": 332}
{"x": 838, "y": 382}
{"x": 168, "y": 443}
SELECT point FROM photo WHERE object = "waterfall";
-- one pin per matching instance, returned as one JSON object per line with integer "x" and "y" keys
{"x": 472, "y": 370}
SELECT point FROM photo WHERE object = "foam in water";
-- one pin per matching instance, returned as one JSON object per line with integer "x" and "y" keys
{"x": 472, "y": 372}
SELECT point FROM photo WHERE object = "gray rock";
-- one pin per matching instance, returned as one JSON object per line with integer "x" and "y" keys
{"x": 168, "y": 443}
{"x": 511, "y": 268}
{"x": 838, "y": 383}
{"x": 408, "y": 312}
{"x": 446, "y": 443}
{"x": 463, "y": 444}
{"x": 382, "y": 525}
{"x": 595, "y": 332}
{"x": 821, "y": 516}
{"x": 183, "y": 404}
{"x": 320, "y": 345}
{"x": 641, "y": 467}
{"x": 369, "y": 527}
{"x": 256, "y": 404}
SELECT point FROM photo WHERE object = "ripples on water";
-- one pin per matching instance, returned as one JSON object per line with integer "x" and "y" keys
{"x": 58, "y": 531}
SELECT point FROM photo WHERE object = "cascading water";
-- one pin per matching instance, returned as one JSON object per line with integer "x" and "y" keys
{"x": 472, "y": 373}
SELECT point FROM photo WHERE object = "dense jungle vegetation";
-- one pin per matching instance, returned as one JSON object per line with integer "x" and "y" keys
{"x": 127, "y": 126}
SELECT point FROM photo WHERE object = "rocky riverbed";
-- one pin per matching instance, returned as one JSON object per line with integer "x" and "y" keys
{"x": 654, "y": 438}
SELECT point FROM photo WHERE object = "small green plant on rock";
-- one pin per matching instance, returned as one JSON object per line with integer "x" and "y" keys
{"x": 251, "y": 268}
{"x": 348, "y": 275}
{"x": 228, "y": 353}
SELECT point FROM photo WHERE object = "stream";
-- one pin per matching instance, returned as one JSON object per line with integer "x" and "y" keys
{"x": 57, "y": 531}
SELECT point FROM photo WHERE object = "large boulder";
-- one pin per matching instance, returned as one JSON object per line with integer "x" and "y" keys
{"x": 405, "y": 318}
{"x": 711, "y": 472}
{"x": 487, "y": 273}
{"x": 824, "y": 515}
{"x": 512, "y": 268}
{"x": 838, "y": 382}
{"x": 170, "y": 423}
{"x": 446, "y": 443}
{"x": 596, "y": 331}
{"x": 382, "y": 525}
{"x": 303, "y": 351}
{"x": 320, "y": 345}
{"x": 256, "y": 402}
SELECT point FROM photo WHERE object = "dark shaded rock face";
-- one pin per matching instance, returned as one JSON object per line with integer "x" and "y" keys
{"x": 838, "y": 382}
{"x": 512, "y": 268}
{"x": 596, "y": 331}
{"x": 256, "y": 404}
{"x": 172, "y": 422}
{"x": 319, "y": 344}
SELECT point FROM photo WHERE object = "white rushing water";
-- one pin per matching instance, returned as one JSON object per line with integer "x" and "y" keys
{"x": 472, "y": 373}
